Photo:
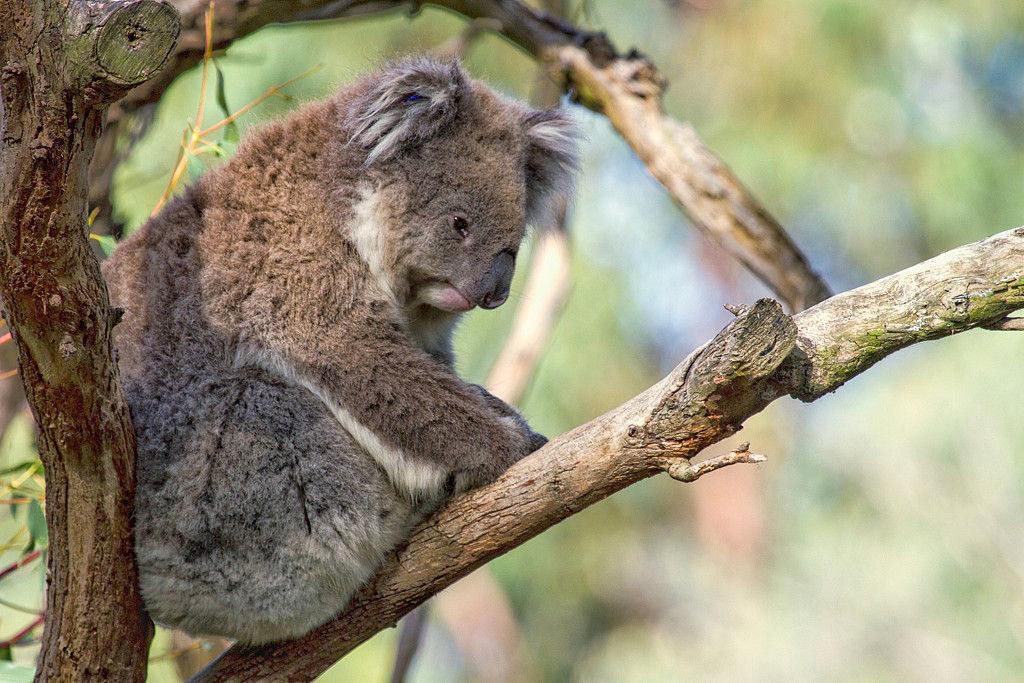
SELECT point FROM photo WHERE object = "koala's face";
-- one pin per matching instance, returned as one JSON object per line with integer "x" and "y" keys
{"x": 465, "y": 217}
{"x": 462, "y": 172}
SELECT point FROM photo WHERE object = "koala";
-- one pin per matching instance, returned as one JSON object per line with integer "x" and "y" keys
{"x": 286, "y": 343}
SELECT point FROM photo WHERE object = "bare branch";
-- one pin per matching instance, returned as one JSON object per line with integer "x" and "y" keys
{"x": 685, "y": 472}
{"x": 628, "y": 91}
{"x": 973, "y": 286}
{"x": 759, "y": 356}
{"x": 625, "y": 88}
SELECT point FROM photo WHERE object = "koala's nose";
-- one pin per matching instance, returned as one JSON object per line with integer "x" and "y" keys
{"x": 493, "y": 302}
{"x": 498, "y": 280}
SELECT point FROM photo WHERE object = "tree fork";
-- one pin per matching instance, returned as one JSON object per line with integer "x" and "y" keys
{"x": 63, "y": 65}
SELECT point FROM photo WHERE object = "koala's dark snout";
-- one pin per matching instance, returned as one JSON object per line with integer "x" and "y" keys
{"x": 494, "y": 286}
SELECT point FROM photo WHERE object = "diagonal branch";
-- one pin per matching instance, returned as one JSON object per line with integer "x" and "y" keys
{"x": 628, "y": 92}
{"x": 761, "y": 355}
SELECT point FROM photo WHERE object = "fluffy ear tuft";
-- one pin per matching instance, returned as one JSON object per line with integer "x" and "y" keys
{"x": 409, "y": 102}
{"x": 552, "y": 158}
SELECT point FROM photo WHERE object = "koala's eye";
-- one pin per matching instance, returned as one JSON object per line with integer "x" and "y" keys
{"x": 461, "y": 226}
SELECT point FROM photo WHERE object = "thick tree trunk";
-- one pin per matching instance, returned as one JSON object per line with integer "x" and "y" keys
{"x": 62, "y": 65}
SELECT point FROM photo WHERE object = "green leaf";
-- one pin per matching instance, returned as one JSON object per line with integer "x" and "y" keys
{"x": 230, "y": 130}
{"x": 107, "y": 242}
{"x": 194, "y": 168}
{"x": 36, "y": 525}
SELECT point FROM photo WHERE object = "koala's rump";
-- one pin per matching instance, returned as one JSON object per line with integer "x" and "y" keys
{"x": 258, "y": 516}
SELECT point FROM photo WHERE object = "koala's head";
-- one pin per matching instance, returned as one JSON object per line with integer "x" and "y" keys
{"x": 458, "y": 172}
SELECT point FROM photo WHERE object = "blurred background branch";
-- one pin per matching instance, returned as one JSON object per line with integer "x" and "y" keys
{"x": 627, "y": 89}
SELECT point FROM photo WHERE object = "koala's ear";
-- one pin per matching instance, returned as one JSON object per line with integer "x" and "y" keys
{"x": 408, "y": 103}
{"x": 552, "y": 157}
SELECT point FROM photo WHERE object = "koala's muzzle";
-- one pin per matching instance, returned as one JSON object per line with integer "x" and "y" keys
{"x": 492, "y": 289}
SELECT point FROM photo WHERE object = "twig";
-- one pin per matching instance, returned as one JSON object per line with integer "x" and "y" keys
{"x": 735, "y": 309}
{"x": 684, "y": 471}
{"x": 13, "y": 640}
{"x": 272, "y": 91}
{"x": 21, "y": 562}
{"x": 194, "y": 137}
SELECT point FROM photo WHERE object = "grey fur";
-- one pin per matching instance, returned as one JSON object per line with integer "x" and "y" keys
{"x": 286, "y": 346}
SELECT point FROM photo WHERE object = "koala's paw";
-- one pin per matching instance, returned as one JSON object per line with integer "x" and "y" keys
{"x": 523, "y": 438}
{"x": 520, "y": 442}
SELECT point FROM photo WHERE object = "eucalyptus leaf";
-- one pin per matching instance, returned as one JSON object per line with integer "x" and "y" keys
{"x": 36, "y": 525}
{"x": 230, "y": 130}
{"x": 107, "y": 242}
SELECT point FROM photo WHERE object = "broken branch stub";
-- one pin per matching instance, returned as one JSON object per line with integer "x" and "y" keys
{"x": 726, "y": 381}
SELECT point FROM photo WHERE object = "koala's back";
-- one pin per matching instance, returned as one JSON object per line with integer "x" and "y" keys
{"x": 257, "y": 514}
{"x": 240, "y": 532}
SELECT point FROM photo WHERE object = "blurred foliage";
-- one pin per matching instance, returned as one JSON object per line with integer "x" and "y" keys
{"x": 22, "y": 532}
{"x": 884, "y": 538}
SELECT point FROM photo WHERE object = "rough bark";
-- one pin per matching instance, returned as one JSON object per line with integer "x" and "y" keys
{"x": 762, "y": 355}
{"x": 63, "y": 63}
{"x": 625, "y": 88}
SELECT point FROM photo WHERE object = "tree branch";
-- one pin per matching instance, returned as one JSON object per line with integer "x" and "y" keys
{"x": 761, "y": 355}
{"x": 625, "y": 88}
{"x": 63, "y": 63}
{"x": 628, "y": 92}
{"x": 977, "y": 285}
